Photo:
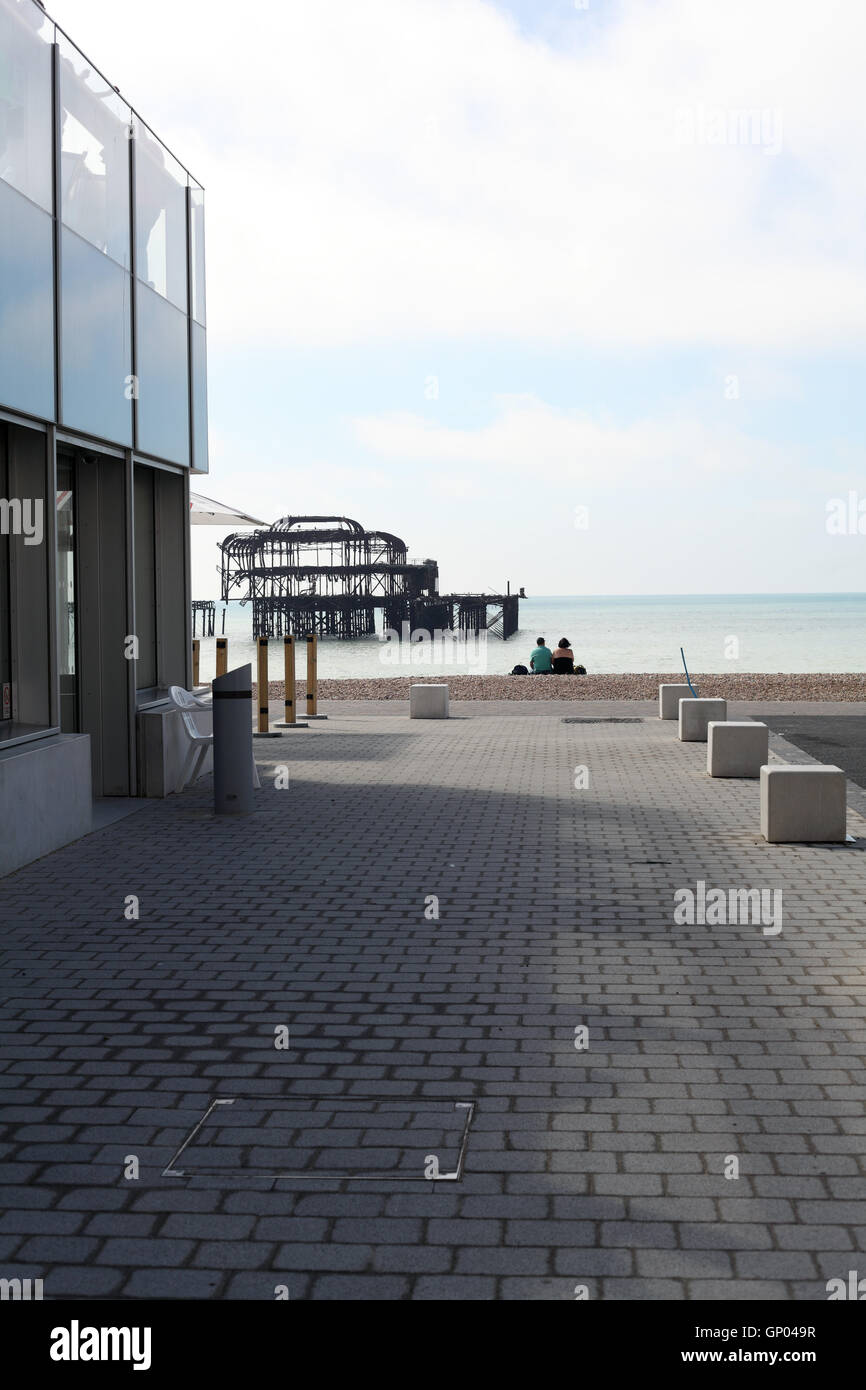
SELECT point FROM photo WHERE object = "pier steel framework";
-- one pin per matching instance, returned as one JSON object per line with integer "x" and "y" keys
{"x": 328, "y": 575}
{"x": 207, "y": 608}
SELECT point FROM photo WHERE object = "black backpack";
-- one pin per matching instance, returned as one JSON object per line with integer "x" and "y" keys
{"x": 520, "y": 671}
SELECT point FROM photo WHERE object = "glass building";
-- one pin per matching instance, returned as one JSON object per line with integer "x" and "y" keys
{"x": 103, "y": 405}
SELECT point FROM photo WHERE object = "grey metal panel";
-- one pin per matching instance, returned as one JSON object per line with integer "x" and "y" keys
{"x": 33, "y": 737}
{"x": 103, "y": 609}
{"x": 27, "y": 453}
{"x": 177, "y": 468}
{"x": 53, "y": 616}
{"x": 12, "y": 417}
{"x": 88, "y": 613}
{"x": 133, "y": 261}
{"x": 131, "y": 619}
{"x": 143, "y": 566}
{"x": 88, "y": 444}
{"x": 172, "y": 593}
{"x": 187, "y": 588}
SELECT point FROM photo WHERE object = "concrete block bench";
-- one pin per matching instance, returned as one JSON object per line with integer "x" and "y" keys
{"x": 669, "y": 700}
{"x": 695, "y": 717}
{"x": 45, "y": 793}
{"x": 803, "y": 804}
{"x": 737, "y": 748}
{"x": 428, "y": 702}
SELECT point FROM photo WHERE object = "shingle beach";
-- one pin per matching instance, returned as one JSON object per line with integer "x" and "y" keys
{"x": 639, "y": 686}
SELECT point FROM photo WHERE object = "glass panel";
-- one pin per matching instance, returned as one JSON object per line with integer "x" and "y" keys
{"x": 199, "y": 398}
{"x": 97, "y": 390}
{"x": 95, "y": 156}
{"x": 66, "y": 594}
{"x": 160, "y": 218}
{"x": 163, "y": 378}
{"x": 26, "y": 306}
{"x": 196, "y": 232}
{"x": 145, "y": 577}
{"x": 25, "y": 99}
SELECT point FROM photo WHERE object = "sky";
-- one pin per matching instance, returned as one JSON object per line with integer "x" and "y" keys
{"x": 570, "y": 295}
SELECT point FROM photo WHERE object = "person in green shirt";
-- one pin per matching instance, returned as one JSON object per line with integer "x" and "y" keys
{"x": 541, "y": 660}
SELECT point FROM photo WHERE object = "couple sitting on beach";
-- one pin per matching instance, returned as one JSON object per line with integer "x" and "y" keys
{"x": 545, "y": 662}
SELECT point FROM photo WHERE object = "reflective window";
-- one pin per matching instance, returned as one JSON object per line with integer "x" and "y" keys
{"x": 94, "y": 156}
{"x": 25, "y": 100}
{"x": 199, "y": 398}
{"x": 160, "y": 218}
{"x": 163, "y": 378}
{"x": 196, "y": 233}
{"x": 96, "y": 342}
{"x": 26, "y": 305}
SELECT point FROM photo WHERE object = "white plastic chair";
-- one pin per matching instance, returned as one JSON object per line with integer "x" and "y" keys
{"x": 185, "y": 702}
{"x": 196, "y": 753}
{"x": 184, "y": 699}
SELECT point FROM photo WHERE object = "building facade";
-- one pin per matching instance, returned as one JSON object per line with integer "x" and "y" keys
{"x": 103, "y": 408}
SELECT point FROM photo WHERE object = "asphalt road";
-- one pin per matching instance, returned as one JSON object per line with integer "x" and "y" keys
{"x": 831, "y": 738}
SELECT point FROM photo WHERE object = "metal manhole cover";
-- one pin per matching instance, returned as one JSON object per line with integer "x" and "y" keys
{"x": 333, "y": 1137}
{"x": 603, "y": 719}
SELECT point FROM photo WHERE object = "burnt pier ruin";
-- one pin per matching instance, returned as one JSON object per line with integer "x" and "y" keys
{"x": 328, "y": 575}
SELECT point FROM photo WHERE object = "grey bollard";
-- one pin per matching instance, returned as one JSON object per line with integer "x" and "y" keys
{"x": 233, "y": 742}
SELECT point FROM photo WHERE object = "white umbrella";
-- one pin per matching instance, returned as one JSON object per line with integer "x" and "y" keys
{"x": 203, "y": 511}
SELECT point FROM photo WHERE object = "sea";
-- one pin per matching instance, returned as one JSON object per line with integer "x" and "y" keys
{"x": 608, "y": 634}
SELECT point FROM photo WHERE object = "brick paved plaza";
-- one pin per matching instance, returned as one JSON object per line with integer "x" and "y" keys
{"x": 602, "y": 1167}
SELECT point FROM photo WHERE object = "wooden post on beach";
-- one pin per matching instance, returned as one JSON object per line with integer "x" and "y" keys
{"x": 289, "y": 694}
{"x": 196, "y": 643}
{"x": 312, "y": 662}
{"x": 222, "y": 655}
{"x": 263, "y": 684}
{"x": 289, "y": 679}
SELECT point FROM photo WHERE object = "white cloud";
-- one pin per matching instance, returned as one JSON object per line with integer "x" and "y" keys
{"x": 417, "y": 169}
{"x": 531, "y": 438}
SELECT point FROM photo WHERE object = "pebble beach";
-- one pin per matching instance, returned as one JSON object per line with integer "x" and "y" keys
{"x": 639, "y": 686}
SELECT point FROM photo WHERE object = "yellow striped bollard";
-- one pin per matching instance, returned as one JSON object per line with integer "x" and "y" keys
{"x": 313, "y": 676}
{"x": 263, "y": 730}
{"x": 263, "y": 684}
{"x": 290, "y": 702}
